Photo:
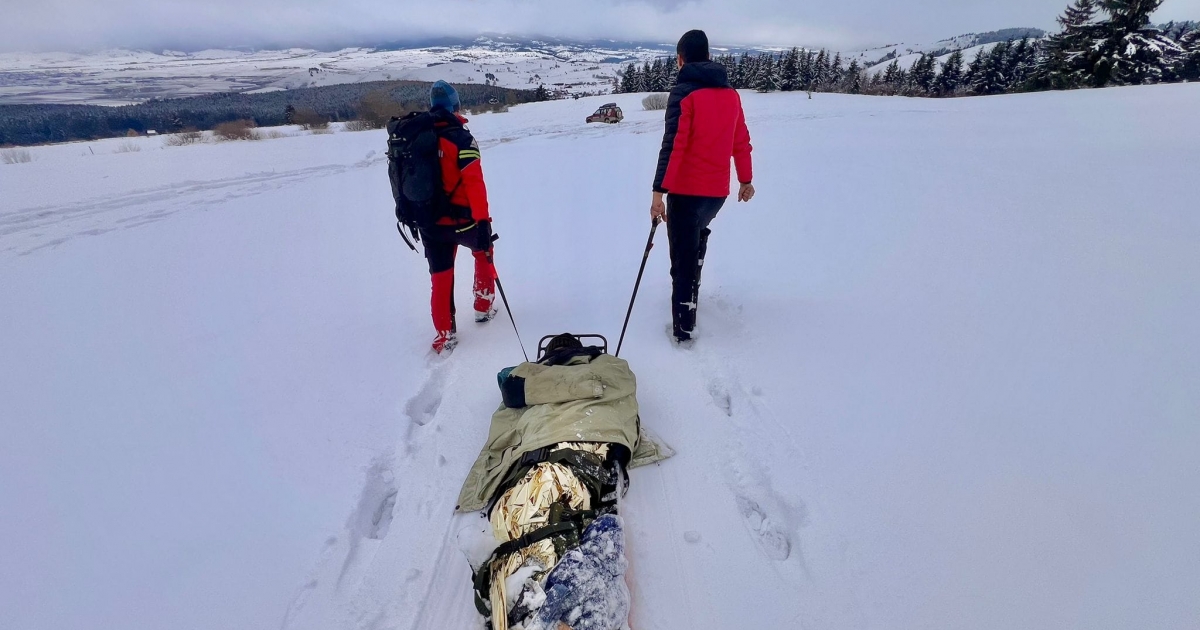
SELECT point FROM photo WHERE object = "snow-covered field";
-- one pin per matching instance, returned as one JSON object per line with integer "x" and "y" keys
{"x": 949, "y": 373}
{"x": 121, "y": 77}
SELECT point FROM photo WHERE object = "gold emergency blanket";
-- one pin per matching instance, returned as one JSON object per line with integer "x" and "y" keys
{"x": 525, "y": 508}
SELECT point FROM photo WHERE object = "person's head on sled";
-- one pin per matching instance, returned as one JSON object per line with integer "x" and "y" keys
{"x": 565, "y": 340}
{"x": 565, "y": 349}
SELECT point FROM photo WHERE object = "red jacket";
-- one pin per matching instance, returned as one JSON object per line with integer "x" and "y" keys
{"x": 462, "y": 175}
{"x": 705, "y": 128}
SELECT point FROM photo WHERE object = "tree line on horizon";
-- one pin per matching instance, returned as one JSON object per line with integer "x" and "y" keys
{"x": 1101, "y": 43}
{"x": 373, "y": 103}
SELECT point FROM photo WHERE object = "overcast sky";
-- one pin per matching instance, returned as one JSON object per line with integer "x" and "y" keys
{"x": 46, "y": 25}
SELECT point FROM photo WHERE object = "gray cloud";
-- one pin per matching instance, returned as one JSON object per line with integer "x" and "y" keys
{"x": 41, "y": 25}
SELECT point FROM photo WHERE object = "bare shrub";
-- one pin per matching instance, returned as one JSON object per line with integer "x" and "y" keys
{"x": 16, "y": 156}
{"x": 128, "y": 147}
{"x": 489, "y": 108}
{"x": 376, "y": 109}
{"x": 655, "y": 101}
{"x": 273, "y": 134}
{"x": 360, "y": 125}
{"x": 184, "y": 138}
{"x": 322, "y": 131}
{"x": 235, "y": 130}
{"x": 309, "y": 119}
{"x": 132, "y": 134}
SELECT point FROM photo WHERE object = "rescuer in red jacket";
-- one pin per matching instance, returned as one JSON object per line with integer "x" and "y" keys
{"x": 470, "y": 224}
{"x": 706, "y": 128}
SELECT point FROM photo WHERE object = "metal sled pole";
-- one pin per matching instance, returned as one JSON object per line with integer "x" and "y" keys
{"x": 504, "y": 298}
{"x": 637, "y": 285}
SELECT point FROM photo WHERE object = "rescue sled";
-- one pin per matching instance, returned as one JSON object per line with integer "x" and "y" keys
{"x": 549, "y": 482}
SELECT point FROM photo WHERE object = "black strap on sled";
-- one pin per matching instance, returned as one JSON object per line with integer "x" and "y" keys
{"x": 566, "y": 526}
{"x": 588, "y": 467}
{"x": 603, "y": 477}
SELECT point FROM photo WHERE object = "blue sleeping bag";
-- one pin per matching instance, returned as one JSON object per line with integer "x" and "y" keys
{"x": 587, "y": 589}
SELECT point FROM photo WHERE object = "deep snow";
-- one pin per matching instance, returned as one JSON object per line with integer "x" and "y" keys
{"x": 949, "y": 374}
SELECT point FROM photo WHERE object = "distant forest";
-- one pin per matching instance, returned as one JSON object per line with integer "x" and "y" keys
{"x": 1102, "y": 43}
{"x": 372, "y": 102}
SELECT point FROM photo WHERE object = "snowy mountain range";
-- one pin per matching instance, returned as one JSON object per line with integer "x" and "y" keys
{"x": 122, "y": 77}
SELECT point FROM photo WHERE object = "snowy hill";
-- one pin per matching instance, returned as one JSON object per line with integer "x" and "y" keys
{"x": 907, "y": 61}
{"x": 120, "y": 77}
{"x": 877, "y": 58}
{"x": 937, "y": 386}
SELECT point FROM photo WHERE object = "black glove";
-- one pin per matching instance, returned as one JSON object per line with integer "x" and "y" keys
{"x": 483, "y": 232}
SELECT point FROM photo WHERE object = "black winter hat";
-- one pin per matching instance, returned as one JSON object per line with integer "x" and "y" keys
{"x": 565, "y": 340}
{"x": 693, "y": 46}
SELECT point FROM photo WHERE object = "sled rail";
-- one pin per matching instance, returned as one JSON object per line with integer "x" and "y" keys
{"x": 603, "y": 345}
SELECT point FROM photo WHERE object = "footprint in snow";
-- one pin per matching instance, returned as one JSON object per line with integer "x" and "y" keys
{"x": 372, "y": 517}
{"x": 721, "y": 398}
{"x": 767, "y": 535}
{"x": 423, "y": 407}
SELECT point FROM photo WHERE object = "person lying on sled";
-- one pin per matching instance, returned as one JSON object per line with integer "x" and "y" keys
{"x": 548, "y": 480}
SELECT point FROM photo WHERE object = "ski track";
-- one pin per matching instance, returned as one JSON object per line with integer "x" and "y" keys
{"x": 29, "y": 230}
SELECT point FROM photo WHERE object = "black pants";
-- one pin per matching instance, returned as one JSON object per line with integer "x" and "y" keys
{"x": 687, "y": 230}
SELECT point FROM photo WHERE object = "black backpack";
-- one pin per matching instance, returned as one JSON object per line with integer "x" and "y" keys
{"x": 414, "y": 166}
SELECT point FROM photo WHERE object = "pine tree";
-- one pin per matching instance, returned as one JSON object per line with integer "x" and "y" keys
{"x": 902, "y": 82}
{"x": 892, "y": 77}
{"x": 971, "y": 76}
{"x": 1134, "y": 52}
{"x": 1019, "y": 65}
{"x": 730, "y": 65}
{"x": 875, "y": 84}
{"x": 837, "y": 73}
{"x": 743, "y": 73}
{"x": 821, "y": 71}
{"x": 1188, "y": 68}
{"x": 847, "y": 75}
{"x": 768, "y": 75}
{"x": 992, "y": 77}
{"x": 923, "y": 75}
{"x": 791, "y": 71}
{"x": 853, "y": 83}
{"x": 1070, "y": 54}
{"x": 951, "y": 76}
{"x": 807, "y": 75}
{"x": 628, "y": 79}
{"x": 656, "y": 81}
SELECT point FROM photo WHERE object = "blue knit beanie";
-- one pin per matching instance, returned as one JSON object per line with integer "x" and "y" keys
{"x": 442, "y": 95}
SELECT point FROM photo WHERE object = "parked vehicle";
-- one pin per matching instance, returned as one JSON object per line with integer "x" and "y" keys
{"x": 608, "y": 113}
